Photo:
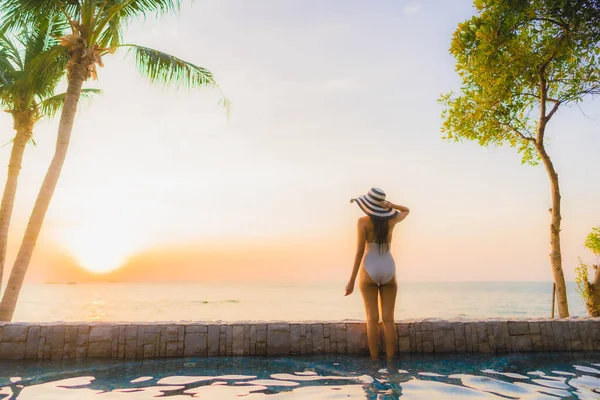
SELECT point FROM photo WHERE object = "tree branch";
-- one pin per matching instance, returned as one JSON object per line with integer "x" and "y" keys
{"x": 536, "y": 96}
{"x": 526, "y": 138}
{"x": 527, "y": 94}
{"x": 594, "y": 90}
{"x": 560, "y": 38}
{"x": 583, "y": 113}
{"x": 554, "y": 109}
{"x": 515, "y": 130}
{"x": 555, "y": 22}
{"x": 543, "y": 98}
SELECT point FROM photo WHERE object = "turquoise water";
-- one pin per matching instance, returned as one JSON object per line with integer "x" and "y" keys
{"x": 273, "y": 301}
{"x": 532, "y": 376}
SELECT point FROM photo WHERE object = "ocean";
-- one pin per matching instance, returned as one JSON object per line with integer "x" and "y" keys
{"x": 280, "y": 301}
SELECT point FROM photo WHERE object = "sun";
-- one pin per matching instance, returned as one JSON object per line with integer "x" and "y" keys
{"x": 107, "y": 217}
{"x": 102, "y": 245}
{"x": 100, "y": 253}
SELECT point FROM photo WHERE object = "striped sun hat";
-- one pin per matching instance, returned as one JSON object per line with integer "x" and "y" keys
{"x": 370, "y": 203}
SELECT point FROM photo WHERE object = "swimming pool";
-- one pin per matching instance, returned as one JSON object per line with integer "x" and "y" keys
{"x": 531, "y": 376}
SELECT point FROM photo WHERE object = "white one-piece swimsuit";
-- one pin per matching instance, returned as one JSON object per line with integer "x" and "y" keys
{"x": 380, "y": 267}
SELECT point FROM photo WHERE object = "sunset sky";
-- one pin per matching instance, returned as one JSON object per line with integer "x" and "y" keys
{"x": 329, "y": 98}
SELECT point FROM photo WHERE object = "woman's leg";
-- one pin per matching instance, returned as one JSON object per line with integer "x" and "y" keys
{"x": 388, "y": 293}
{"x": 370, "y": 291}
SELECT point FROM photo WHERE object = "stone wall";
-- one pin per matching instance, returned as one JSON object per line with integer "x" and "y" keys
{"x": 158, "y": 340}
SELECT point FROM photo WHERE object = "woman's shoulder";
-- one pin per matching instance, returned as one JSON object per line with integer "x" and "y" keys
{"x": 364, "y": 220}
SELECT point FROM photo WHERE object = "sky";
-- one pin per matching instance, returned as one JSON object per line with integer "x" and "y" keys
{"x": 329, "y": 98}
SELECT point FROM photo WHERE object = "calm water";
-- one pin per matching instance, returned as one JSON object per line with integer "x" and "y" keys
{"x": 535, "y": 376}
{"x": 289, "y": 301}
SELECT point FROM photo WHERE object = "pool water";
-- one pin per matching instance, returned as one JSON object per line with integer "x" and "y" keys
{"x": 531, "y": 376}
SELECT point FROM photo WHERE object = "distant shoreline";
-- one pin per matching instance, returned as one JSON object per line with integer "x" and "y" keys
{"x": 271, "y": 282}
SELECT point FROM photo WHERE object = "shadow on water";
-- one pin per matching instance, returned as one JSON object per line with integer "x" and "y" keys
{"x": 515, "y": 376}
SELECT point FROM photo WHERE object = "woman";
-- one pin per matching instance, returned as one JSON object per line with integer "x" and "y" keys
{"x": 378, "y": 274}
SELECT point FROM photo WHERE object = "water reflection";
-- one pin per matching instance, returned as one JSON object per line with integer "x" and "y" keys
{"x": 529, "y": 377}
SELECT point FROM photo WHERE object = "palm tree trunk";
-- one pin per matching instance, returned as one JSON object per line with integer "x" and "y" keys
{"x": 78, "y": 74}
{"x": 555, "y": 254}
{"x": 23, "y": 124}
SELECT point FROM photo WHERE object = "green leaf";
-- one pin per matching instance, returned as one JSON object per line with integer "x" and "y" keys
{"x": 592, "y": 241}
{"x": 52, "y": 105}
{"x": 31, "y": 64}
{"x": 142, "y": 8}
{"x": 165, "y": 69}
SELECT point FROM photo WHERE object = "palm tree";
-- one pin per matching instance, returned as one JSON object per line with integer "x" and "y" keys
{"x": 30, "y": 69}
{"x": 96, "y": 28}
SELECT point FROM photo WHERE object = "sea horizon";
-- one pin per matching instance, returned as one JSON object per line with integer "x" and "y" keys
{"x": 245, "y": 281}
{"x": 279, "y": 301}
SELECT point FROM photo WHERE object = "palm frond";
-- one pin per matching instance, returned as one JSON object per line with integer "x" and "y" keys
{"x": 31, "y": 62}
{"x": 112, "y": 34}
{"x": 52, "y": 105}
{"x": 44, "y": 36}
{"x": 18, "y": 14}
{"x": 43, "y": 72}
{"x": 142, "y": 8}
{"x": 165, "y": 69}
{"x": 113, "y": 15}
{"x": 11, "y": 51}
{"x": 88, "y": 12}
{"x": 225, "y": 103}
{"x": 10, "y": 71}
{"x": 7, "y": 68}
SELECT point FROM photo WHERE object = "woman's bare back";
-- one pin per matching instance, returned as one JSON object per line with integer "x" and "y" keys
{"x": 369, "y": 228}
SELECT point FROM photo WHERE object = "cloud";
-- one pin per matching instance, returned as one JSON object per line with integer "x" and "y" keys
{"x": 411, "y": 9}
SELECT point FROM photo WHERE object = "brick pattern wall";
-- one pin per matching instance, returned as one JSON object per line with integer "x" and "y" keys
{"x": 158, "y": 340}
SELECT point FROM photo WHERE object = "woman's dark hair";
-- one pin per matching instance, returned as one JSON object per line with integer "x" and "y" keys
{"x": 381, "y": 233}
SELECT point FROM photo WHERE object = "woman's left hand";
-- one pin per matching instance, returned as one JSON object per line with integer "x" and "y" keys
{"x": 349, "y": 288}
{"x": 387, "y": 204}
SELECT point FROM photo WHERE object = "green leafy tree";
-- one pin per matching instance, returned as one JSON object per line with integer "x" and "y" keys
{"x": 520, "y": 61}
{"x": 30, "y": 69}
{"x": 590, "y": 291}
{"x": 95, "y": 30}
